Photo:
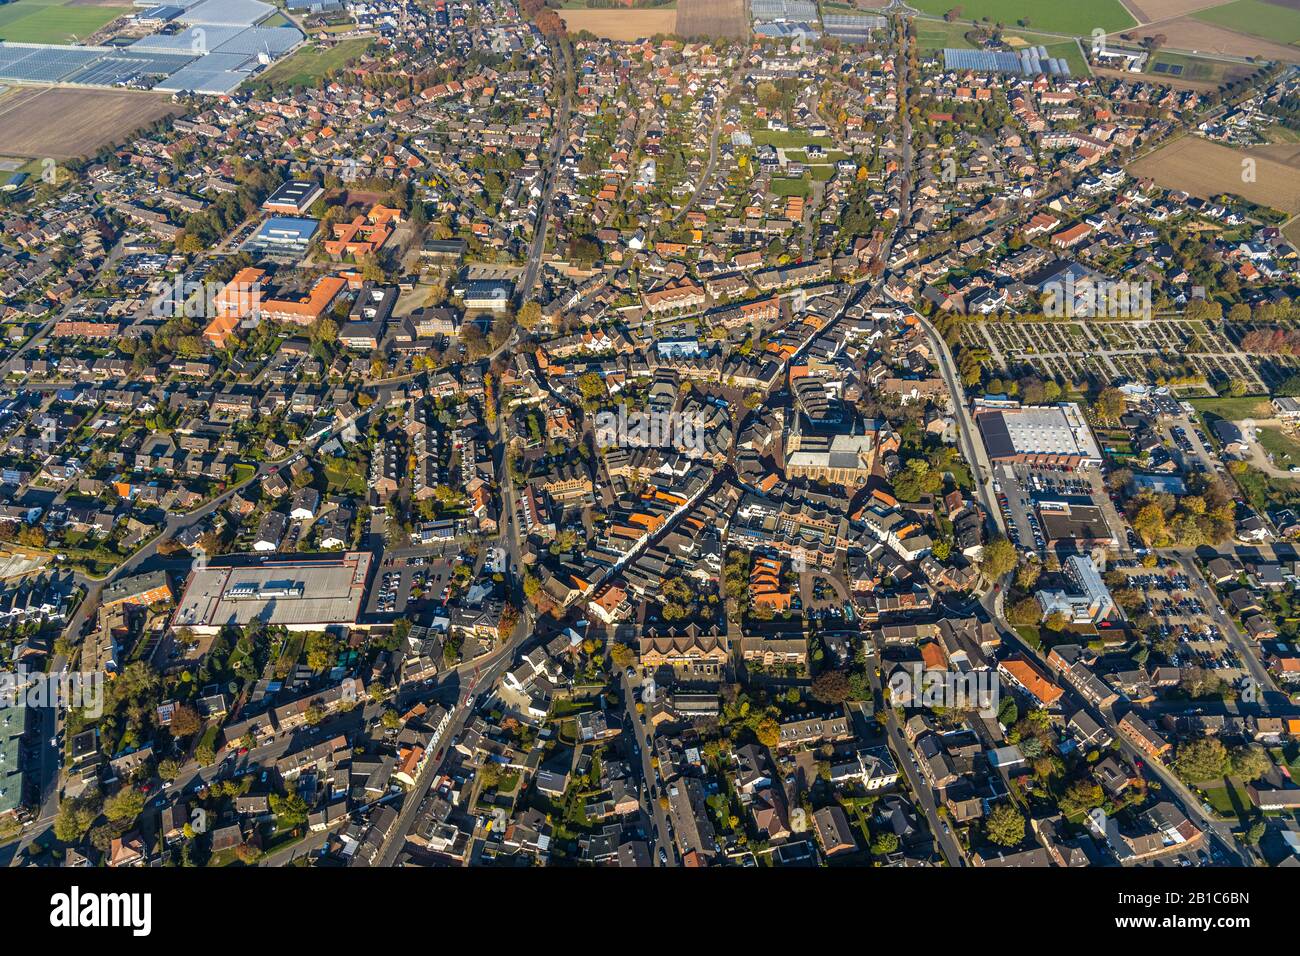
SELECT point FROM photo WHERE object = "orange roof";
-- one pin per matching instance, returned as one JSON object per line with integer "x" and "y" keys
{"x": 238, "y": 297}
{"x": 313, "y": 306}
{"x": 932, "y": 656}
{"x": 1031, "y": 680}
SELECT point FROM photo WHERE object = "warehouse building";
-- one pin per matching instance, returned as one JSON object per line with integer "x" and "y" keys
{"x": 302, "y": 593}
{"x": 1056, "y": 436}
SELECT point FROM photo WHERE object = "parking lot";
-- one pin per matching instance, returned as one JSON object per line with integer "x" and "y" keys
{"x": 1193, "y": 447}
{"x": 404, "y": 583}
{"x": 1170, "y": 599}
{"x": 1020, "y": 488}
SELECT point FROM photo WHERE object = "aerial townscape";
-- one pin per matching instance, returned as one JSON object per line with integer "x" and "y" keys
{"x": 663, "y": 433}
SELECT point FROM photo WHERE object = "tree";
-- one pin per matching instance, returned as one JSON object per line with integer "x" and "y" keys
{"x": 1109, "y": 406}
{"x": 124, "y": 806}
{"x": 185, "y": 721}
{"x": 1025, "y": 613}
{"x": 75, "y": 817}
{"x": 768, "y": 732}
{"x": 884, "y": 844}
{"x": 322, "y": 650}
{"x": 831, "y": 687}
{"x": 1006, "y": 827}
{"x": 1027, "y": 575}
{"x": 1080, "y": 797}
{"x": 1250, "y": 762}
{"x": 622, "y": 656}
{"x": 999, "y": 558}
{"x": 290, "y": 810}
{"x": 1204, "y": 759}
{"x": 1057, "y": 621}
{"x": 530, "y": 313}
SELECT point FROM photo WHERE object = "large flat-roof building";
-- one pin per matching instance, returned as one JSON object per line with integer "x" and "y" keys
{"x": 293, "y": 198}
{"x": 1054, "y": 435}
{"x": 283, "y": 236}
{"x": 301, "y": 593}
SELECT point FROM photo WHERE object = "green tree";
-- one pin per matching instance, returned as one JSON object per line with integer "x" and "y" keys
{"x": 1006, "y": 826}
{"x": 999, "y": 558}
{"x": 831, "y": 687}
{"x": 1200, "y": 760}
{"x": 290, "y": 810}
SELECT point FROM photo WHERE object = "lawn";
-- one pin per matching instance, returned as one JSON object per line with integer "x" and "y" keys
{"x": 1257, "y": 18}
{"x": 311, "y": 64}
{"x": 54, "y": 21}
{"x": 1069, "y": 51}
{"x": 1278, "y": 133}
{"x": 783, "y": 187}
{"x": 1076, "y": 19}
{"x": 1284, "y": 449}
{"x": 790, "y": 139}
{"x": 1233, "y": 409}
{"x": 1229, "y": 800}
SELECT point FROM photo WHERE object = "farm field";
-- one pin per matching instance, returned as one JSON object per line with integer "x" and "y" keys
{"x": 1272, "y": 21}
{"x": 55, "y": 21}
{"x": 1190, "y": 33}
{"x": 68, "y": 123}
{"x": 1208, "y": 169}
{"x": 1196, "y": 72}
{"x": 1077, "y": 19}
{"x": 310, "y": 64}
{"x": 620, "y": 24}
{"x": 1149, "y": 10}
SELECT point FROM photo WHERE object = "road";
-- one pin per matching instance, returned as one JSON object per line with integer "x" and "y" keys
{"x": 640, "y": 729}
{"x": 921, "y": 789}
{"x": 972, "y": 448}
{"x": 489, "y": 671}
{"x": 558, "y": 143}
{"x": 713, "y": 154}
{"x": 51, "y": 721}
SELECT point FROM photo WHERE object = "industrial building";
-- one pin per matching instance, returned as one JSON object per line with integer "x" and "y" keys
{"x": 283, "y": 236}
{"x": 293, "y": 198}
{"x": 299, "y": 592}
{"x": 1052, "y": 435}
